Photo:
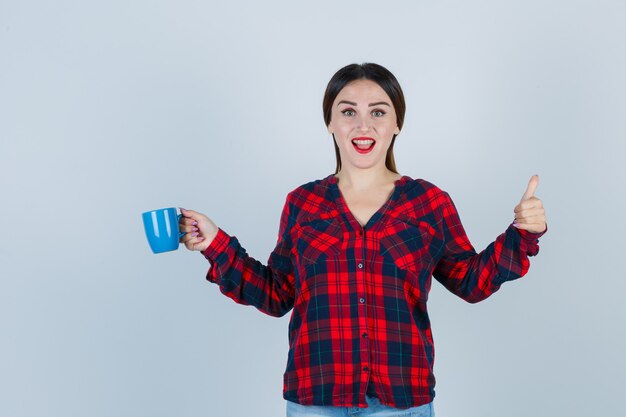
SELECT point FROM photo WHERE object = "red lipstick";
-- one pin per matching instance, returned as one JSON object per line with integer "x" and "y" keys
{"x": 364, "y": 144}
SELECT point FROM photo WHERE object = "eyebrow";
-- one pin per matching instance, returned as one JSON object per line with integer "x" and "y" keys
{"x": 352, "y": 103}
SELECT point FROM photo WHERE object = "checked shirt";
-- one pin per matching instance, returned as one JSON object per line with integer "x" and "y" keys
{"x": 359, "y": 294}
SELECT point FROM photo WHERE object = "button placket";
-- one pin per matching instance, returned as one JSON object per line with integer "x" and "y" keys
{"x": 362, "y": 297}
{"x": 360, "y": 265}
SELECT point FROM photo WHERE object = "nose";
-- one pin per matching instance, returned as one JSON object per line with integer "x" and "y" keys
{"x": 363, "y": 123}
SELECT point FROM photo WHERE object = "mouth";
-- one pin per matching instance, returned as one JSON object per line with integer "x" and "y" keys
{"x": 363, "y": 144}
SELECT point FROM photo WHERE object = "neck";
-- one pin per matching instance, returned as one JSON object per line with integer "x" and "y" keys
{"x": 362, "y": 179}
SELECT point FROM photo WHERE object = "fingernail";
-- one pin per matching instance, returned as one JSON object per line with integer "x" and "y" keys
{"x": 194, "y": 223}
{"x": 194, "y": 234}
{"x": 516, "y": 225}
{"x": 200, "y": 238}
{"x": 195, "y": 229}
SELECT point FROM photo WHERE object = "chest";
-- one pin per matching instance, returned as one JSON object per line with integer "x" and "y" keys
{"x": 364, "y": 205}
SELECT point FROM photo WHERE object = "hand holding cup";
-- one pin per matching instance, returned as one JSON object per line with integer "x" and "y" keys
{"x": 200, "y": 230}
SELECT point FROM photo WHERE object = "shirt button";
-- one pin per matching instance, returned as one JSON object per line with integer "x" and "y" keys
{"x": 365, "y": 368}
{"x": 360, "y": 265}
{"x": 364, "y": 335}
{"x": 361, "y": 300}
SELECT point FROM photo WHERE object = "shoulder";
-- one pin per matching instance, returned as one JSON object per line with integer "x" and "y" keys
{"x": 421, "y": 188}
{"x": 318, "y": 187}
{"x": 421, "y": 199}
{"x": 313, "y": 196}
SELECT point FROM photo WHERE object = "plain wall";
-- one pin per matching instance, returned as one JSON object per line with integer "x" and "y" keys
{"x": 109, "y": 109}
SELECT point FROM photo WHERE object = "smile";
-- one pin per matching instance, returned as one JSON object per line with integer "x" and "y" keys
{"x": 363, "y": 145}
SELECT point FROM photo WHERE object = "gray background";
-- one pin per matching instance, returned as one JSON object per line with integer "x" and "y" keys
{"x": 109, "y": 109}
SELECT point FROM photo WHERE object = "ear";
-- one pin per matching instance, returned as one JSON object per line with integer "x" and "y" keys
{"x": 397, "y": 131}
{"x": 329, "y": 128}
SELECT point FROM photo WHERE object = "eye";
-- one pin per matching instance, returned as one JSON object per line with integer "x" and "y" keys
{"x": 348, "y": 112}
{"x": 378, "y": 113}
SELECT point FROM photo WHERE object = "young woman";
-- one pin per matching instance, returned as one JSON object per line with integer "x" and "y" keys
{"x": 355, "y": 256}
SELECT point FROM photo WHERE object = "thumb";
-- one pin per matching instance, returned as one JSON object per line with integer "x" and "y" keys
{"x": 187, "y": 213}
{"x": 532, "y": 186}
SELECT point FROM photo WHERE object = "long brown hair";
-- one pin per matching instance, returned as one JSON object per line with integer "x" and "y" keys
{"x": 381, "y": 76}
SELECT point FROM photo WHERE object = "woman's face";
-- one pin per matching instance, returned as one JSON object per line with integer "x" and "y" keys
{"x": 363, "y": 121}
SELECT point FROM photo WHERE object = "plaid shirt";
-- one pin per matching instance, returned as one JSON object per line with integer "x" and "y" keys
{"x": 359, "y": 293}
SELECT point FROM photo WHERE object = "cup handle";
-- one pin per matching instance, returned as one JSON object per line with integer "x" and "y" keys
{"x": 180, "y": 234}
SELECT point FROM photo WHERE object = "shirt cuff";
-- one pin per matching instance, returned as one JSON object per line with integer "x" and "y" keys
{"x": 217, "y": 246}
{"x": 530, "y": 241}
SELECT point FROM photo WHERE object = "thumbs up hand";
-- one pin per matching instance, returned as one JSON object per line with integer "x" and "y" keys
{"x": 529, "y": 213}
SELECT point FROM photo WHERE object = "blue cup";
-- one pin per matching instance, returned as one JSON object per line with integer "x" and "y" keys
{"x": 162, "y": 230}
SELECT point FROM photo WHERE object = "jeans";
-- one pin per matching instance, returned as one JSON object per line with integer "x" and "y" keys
{"x": 374, "y": 409}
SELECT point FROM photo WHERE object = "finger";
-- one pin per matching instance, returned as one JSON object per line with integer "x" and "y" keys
{"x": 538, "y": 212}
{"x": 188, "y": 228}
{"x": 539, "y": 218}
{"x": 188, "y": 213}
{"x": 533, "y": 202}
{"x": 532, "y": 186}
{"x": 530, "y": 213}
{"x": 531, "y": 220}
{"x": 196, "y": 245}
{"x": 533, "y": 228}
{"x": 188, "y": 217}
{"x": 189, "y": 236}
{"x": 184, "y": 221}
{"x": 193, "y": 244}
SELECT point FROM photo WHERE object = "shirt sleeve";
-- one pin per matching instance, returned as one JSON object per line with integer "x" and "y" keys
{"x": 247, "y": 281}
{"x": 475, "y": 276}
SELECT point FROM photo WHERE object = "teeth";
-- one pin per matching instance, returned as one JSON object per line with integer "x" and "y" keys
{"x": 363, "y": 141}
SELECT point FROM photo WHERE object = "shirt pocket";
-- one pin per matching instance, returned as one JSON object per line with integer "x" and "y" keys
{"x": 407, "y": 244}
{"x": 319, "y": 239}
